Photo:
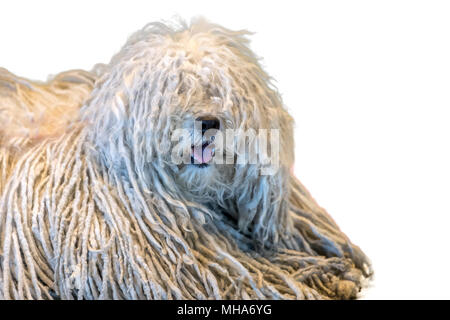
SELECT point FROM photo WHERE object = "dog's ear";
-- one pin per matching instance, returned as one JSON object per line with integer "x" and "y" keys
{"x": 263, "y": 197}
{"x": 263, "y": 208}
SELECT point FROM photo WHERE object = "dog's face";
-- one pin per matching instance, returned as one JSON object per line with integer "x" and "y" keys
{"x": 194, "y": 106}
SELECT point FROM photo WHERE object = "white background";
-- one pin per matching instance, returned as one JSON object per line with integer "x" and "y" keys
{"x": 368, "y": 84}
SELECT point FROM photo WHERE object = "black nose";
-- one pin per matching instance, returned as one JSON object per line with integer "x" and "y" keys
{"x": 209, "y": 123}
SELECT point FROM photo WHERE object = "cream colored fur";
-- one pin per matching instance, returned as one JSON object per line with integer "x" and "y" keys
{"x": 93, "y": 207}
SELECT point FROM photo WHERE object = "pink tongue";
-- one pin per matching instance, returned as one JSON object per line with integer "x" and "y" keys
{"x": 203, "y": 155}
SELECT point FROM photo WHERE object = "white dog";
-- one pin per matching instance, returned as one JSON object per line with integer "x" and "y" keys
{"x": 99, "y": 201}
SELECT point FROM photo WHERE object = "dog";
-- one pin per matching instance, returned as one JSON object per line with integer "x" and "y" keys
{"x": 165, "y": 174}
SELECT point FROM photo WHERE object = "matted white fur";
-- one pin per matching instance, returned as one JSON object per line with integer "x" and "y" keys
{"x": 92, "y": 207}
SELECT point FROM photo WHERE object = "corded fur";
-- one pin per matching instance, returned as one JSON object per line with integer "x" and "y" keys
{"x": 92, "y": 207}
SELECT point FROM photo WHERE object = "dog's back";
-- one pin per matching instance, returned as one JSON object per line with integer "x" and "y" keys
{"x": 31, "y": 111}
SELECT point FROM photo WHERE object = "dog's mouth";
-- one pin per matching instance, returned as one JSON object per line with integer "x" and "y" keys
{"x": 203, "y": 155}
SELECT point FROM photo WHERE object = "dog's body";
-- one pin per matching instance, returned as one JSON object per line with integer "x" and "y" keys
{"x": 93, "y": 207}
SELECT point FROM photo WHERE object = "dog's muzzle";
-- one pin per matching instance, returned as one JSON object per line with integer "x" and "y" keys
{"x": 204, "y": 154}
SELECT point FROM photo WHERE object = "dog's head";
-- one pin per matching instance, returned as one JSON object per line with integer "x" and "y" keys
{"x": 191, "y": 107}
